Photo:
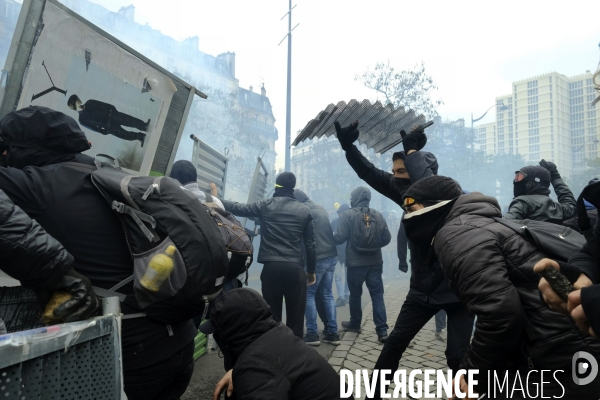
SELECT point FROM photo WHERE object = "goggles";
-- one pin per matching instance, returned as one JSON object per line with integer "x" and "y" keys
{"x": 409, "y": 201}
{"x": 519, "y": 176}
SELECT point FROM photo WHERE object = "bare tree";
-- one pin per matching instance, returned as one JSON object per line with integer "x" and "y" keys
{"x": 408, "y": 88}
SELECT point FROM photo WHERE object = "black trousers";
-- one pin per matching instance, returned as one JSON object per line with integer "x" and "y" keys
{"x": 166, "y": 380}
{"x": 414, "y": 314}
{"x": 285, "y": 280}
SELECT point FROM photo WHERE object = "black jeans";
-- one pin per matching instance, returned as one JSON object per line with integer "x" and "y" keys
{"x": 285, "y": 280}
{"x": 413, "y": 316}
{"x": 166, "y": 380}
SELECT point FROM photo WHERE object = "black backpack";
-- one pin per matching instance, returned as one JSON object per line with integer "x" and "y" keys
{"x": 161, "y": 220}
{"x": 556, "y": 241}
{"x": 237, "y": 242}
{"x": 366, "y": 237}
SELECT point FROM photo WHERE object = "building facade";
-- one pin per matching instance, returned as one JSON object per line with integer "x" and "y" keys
{"x": 548, "y": 116}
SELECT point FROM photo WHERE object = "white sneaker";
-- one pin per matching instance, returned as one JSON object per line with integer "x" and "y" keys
{"x": 441, "y": 335}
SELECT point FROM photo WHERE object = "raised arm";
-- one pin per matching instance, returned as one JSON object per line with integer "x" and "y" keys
{"x": 566, "y": 200}
{"x": 244, "y": 210}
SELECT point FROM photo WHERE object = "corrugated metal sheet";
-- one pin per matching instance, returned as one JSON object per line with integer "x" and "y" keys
{"x": 379, "y": 125}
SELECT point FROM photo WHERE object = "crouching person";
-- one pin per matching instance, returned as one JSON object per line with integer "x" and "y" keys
{"x": 263, "y": 357}
{"x": 491, "y": 268}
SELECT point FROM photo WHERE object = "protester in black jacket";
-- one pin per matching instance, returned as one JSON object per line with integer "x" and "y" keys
{"x": 364, "y": 265}
{"x": 38, "y": 261}
{"x": 491, "y": 268}
{"x": 429, "y": 289}
{"x": 532, "y": 195}
{"x": 45, "y": 179}
{"x": 284, "y": 224}
{"x": 269, "y": 360}
{"x": 324, "y": 269}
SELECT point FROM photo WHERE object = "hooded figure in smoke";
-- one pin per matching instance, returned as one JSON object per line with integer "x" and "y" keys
{"x": 532, "y": 195}
{"x": 268, "y": 360}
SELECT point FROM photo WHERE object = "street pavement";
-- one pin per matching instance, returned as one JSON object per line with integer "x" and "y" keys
{"x": 356, "y": 351}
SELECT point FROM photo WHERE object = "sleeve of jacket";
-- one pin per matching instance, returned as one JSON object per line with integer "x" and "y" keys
{"x": 472, "y": 260}
{"x": 386, "y": 236}
{"x": 310, "y": 245}
{"x": 565, "y": 198}
{"x": 342, "y": 233}
{"x": 244, "y": 210}
{"x": 27, "y": 252}
{"x": 587, "y": 263}
{"x": 255, "y": 379}
{"x": 378, "y": 179}
{"x": 419, "y": 165}
{"x": 518, "y": 209}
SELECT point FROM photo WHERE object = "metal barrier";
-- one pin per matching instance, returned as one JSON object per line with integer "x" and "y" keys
{"x": 79, "y": 360}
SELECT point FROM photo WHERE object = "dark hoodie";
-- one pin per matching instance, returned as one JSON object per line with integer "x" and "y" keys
{"x": 347, "y": 230}
{"x": 532, "y": 198}
{"x": 269, "y": 361}
{"x": 491, "y": 268}
{"x": 323, "y": 232}
{"x": 63, "y": 200}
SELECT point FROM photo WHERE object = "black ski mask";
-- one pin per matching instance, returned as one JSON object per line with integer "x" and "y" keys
{"x": 536, "y": 181}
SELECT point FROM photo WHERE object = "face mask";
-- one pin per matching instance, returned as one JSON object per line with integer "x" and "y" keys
{"x": 520, "y": 188}
{"x": 402, "y": 181}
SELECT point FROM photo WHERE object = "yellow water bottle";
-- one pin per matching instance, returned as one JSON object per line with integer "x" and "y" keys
{"x": 159, "y": 268}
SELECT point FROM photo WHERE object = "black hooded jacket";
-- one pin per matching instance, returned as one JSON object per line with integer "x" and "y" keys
{"x": 491, "y": 268}
{"x": 323, "y": 233}
{"x": 64, "y": 201}
{"x": 27, "y": 252}
{"x": 270, "y": 362}
{"x": 346, "y": 230}
{"x": 426, "y": 284}
{"x": 536, "y": 203}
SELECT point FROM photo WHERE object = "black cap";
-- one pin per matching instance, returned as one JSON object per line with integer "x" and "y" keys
{"x": 434, "y": 188}
{"x": 285, "y": 180}
{"x": 184, "y": 171}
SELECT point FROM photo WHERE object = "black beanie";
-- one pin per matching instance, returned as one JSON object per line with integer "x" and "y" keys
{"x": 184, "y": 171}
{"x": 300, "y": 196}
{"x": 537, "y": 174}
{"x": 434, "y": 188}
{"x": 285, "y": 180}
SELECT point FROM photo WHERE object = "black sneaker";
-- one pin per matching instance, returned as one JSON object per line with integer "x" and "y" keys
{"x": 382, "y": 338}
{"x": 312, "y": 340}
{"x": 333, "y": 339}
{"x": 349, "y": 328}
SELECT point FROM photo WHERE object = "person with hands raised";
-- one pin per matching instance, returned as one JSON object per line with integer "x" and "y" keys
{"x": 429, "y": 290}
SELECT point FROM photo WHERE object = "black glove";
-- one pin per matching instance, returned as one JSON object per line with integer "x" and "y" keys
{"x": 347, "y": 135}
{"x": 403, "y": 267}
{"x": 413, "y": 141}
{"x": 83, "y": 303}
{"x": 551, "y": 167}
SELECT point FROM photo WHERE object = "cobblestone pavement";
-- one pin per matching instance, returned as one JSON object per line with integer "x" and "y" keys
{"x": 360, "y": 351}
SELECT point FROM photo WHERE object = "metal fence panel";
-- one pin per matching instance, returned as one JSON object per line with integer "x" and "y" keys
{"x": 210, "y": 165}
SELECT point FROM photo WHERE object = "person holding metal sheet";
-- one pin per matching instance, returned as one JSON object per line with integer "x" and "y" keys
{"x": 429, "y": 290}
{"x": 105, "y": 119}
{"x": 284, "y": 224}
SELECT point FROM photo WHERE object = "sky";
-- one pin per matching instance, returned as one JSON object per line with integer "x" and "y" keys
{"x": 473, "y": 50}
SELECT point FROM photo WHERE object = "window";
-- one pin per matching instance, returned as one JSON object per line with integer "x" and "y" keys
{"x": 532, "y": 92}
{"x": 532, "y": 84}
{"x": 532, "y": 100}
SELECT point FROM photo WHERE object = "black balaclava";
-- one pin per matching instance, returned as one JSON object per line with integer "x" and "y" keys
{"x": 39, "y": 136}
{"x": 537, "y": 181}
{"x": 284, "y": 185}
{"x": 184, "y": 171}
{"x": 438, "y": 194}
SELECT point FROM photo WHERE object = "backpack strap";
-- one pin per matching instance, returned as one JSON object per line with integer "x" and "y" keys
{"x": 138, "y": 217}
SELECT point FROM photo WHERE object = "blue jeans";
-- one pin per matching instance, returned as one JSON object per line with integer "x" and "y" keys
{"x": 371, "y": 275}
{"x": 324, "y": 271}
{"x": 440, "y": 321}
{"x": 341, "y": 281}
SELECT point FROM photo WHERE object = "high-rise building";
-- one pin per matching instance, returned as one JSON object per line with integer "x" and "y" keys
{"x": 548, "y": 116}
